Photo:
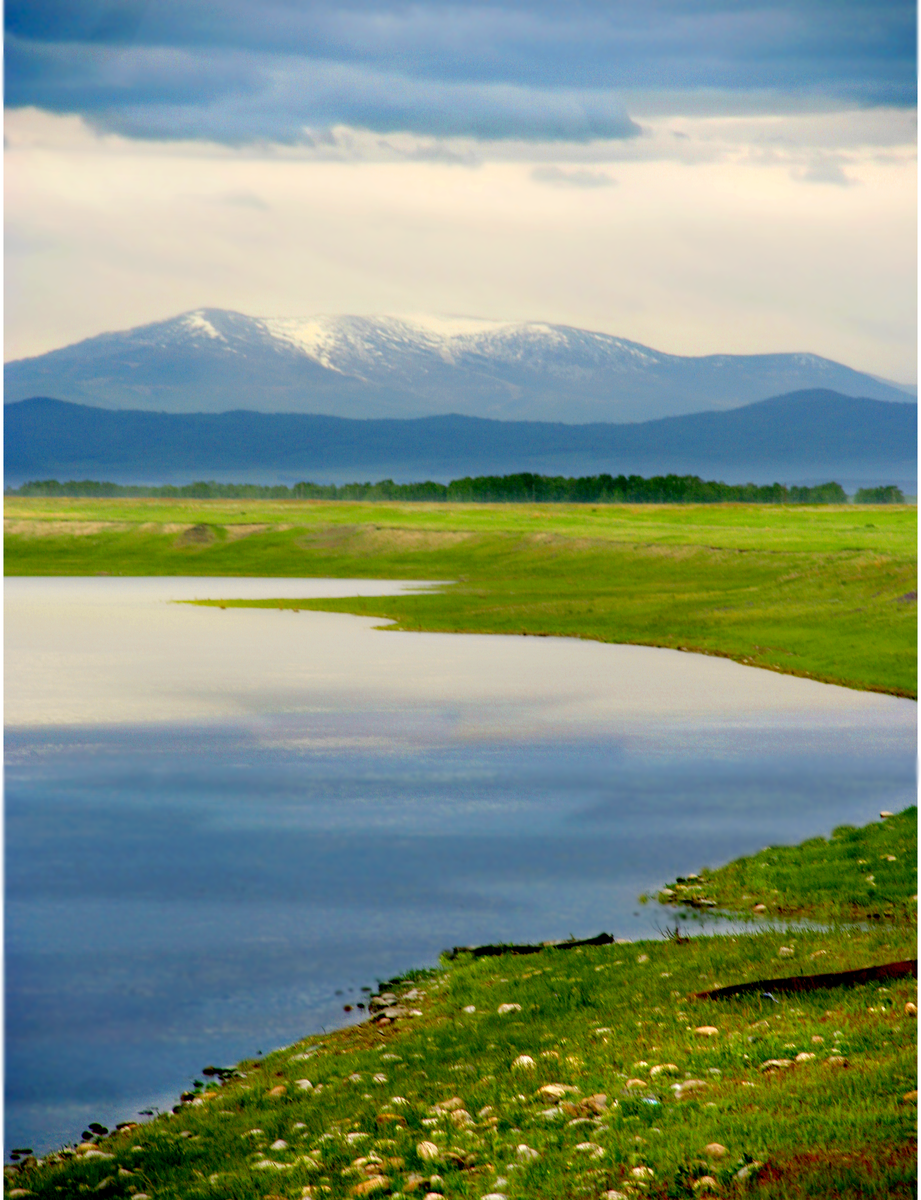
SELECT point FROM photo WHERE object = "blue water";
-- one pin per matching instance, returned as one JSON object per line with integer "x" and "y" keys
{"x": 195, "y": 896}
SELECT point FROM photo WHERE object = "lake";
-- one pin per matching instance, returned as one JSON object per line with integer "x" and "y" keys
{"x": 221, "y": 825}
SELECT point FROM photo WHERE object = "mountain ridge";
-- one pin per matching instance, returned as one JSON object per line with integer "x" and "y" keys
{"x": 802, "y": 437}
{"x": 405, "y": 367}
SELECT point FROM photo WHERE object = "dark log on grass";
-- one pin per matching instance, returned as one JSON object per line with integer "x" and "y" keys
{"x": 602, "y": 939}
{"x": 812, "y": 983}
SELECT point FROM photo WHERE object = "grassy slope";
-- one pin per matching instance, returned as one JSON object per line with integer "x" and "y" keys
{"x": 597, "y": 1020}
{"x": 810, "y": 591}
{"x": 856, "y": 875}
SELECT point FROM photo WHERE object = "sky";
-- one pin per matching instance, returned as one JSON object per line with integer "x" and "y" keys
{"x": 701, "y": 176}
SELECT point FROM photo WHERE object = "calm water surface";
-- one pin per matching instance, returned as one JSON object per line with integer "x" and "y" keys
{"x": 193, "y": 892}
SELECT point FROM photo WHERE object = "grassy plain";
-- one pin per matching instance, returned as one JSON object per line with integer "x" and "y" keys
{"x": 569, "y": 1073}
{"x": 826, "y": 592}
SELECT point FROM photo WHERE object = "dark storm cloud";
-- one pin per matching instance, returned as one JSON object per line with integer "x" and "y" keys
{"x": 237, "y": 70}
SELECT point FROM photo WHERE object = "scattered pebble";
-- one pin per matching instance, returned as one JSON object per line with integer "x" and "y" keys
{"x": 643, "y": 958}
{"x": 525, "y": 1061}
{"x": 591, "y": 1149}
{"x": 759, "y": 908}
{"x": 804, "y": 1056}
{"x": 507, "y": 1008}
{"x": 304, "y": 1084}
{"x": 715, "y": 1150}
{"x": 526, "y": 1154}
{"x": 747, "y": 1171}
{"x": 663, "y": 1069}
{"x": 556, "y": 1091}
{"x": 911, "y": 1009}
{"x": 687, "y": 1087}
{"x": 643, "y": 1173}
{"x": 376, "y": 1183}
{"x": 706, "y": 1031}
{"x": 785, "y": 952}
{"x": 277, "y": 1091}
{"x": 428, "y": 1151}
{"x": 777, "y": 1064}
{"x": 470, "y": 1008}
{"x": 281, "y": 1144}
{"x": 836, "y": 1060}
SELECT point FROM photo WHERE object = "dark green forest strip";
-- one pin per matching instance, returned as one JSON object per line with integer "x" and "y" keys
{"x": 573, "y": 1074}
{"x": 522, "y": 488}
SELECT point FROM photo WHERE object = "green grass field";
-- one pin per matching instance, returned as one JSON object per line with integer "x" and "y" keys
{"x": 824, "y": 592}
{"x": 585, "y": 1072}
{"x": 854, "y": 875}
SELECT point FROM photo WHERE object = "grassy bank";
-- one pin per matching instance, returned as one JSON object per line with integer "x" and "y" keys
{"x": 863, "y": 874}
{"x": 567, "y": 1073}
{"x": 826, "y": 592}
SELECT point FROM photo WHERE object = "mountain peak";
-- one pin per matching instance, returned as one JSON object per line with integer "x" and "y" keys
{"x": 412, "y": 365}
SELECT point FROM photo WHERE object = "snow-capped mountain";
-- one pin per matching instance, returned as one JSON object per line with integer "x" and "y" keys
{"x": 213, "y": 360}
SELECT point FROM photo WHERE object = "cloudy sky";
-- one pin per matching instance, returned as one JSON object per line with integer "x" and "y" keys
{"x": 698, "y": 175}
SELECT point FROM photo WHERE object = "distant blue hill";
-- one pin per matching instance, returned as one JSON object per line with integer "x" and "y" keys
{"x": 802, "y": 437}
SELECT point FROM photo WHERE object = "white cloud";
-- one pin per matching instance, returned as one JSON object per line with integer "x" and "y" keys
{"x": 577, "y": 177}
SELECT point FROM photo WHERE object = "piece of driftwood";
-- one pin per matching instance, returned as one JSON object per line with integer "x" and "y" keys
{"x": 602, "y": 939}
{"x": 812, "y": 983}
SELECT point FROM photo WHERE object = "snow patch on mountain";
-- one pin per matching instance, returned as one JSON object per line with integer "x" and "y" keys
{"x": 197, "y": 322}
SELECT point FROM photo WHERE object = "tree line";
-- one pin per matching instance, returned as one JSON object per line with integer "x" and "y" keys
{"x": 488, "y": 489}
